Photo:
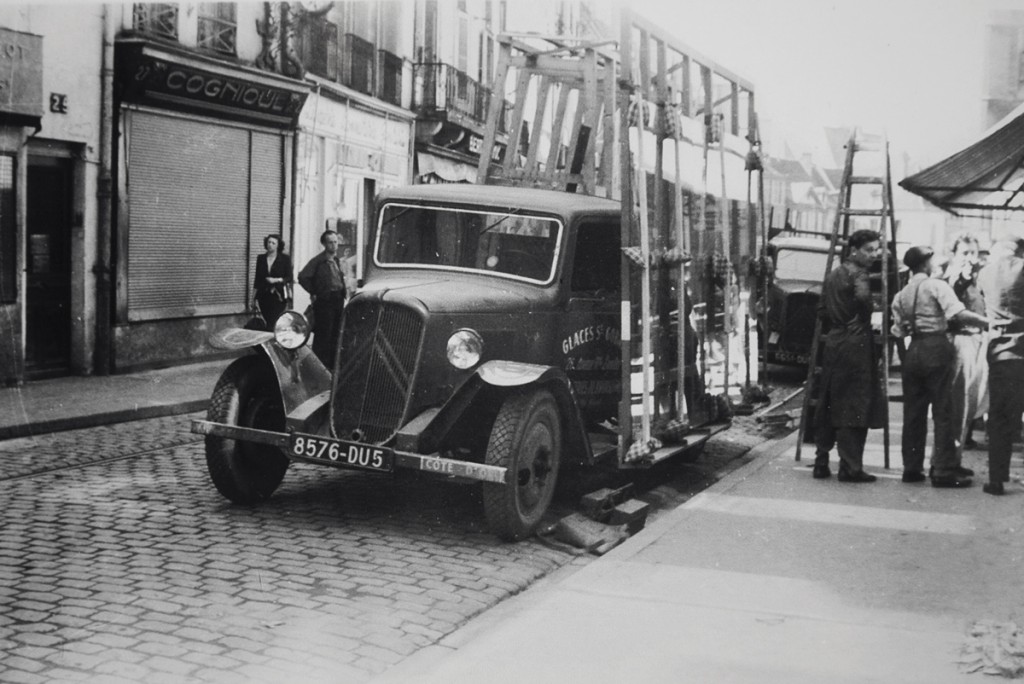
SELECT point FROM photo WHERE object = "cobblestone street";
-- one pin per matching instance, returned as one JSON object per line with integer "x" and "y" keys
{"x": 119, "y": 561}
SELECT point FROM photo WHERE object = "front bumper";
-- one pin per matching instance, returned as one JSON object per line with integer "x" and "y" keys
{"x": 429, "y": 463}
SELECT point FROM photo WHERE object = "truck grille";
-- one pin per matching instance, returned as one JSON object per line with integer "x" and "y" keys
{"x": 377, "y": 366}
{"x": 798, "y": 326}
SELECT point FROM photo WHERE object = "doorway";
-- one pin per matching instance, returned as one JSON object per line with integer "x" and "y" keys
{"x": 49, "y": 204}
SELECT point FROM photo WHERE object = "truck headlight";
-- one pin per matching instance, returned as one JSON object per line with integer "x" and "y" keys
{"x": 291, "y": 330}
{"x": 465, "y": 348}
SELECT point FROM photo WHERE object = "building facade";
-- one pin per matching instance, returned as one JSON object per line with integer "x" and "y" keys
{"x": 1004, "y": 64}
{"x": 50, "y": 168}
{"x": 205, "y": 121}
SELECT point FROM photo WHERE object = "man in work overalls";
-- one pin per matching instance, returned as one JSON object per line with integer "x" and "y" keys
{"x": 851, "y": 399}
{"x": 923, "y": 310}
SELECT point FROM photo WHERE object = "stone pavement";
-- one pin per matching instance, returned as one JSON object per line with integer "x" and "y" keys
{"x": 120, "y": 562}
{"x": 44, "y": 406}
{"x": 768, "y": 576}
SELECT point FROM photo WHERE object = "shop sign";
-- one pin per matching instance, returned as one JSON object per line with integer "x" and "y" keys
{"x": 21, "y": 73}
{"x": 152, "y": 78}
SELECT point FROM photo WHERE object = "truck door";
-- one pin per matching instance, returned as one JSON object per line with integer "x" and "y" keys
{"x": 590, "y": 329}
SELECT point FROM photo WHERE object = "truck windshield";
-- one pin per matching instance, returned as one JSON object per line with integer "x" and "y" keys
{"x": 511, "y": 244}
{"x": 794, "y": 264}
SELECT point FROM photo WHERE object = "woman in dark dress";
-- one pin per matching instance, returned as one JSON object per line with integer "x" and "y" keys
{"x": 273, "y": 280}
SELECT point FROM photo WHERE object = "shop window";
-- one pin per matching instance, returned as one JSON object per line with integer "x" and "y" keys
{"x": 159, "y": 18}
{"x": 217, "y": 26}
{"x": 8, "y": 232}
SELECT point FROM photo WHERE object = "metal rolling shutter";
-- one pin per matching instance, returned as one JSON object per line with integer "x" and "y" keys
{"x": 265, "y": 210}
{"x": 188, "y": 238}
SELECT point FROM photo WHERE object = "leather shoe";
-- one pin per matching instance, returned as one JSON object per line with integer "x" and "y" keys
{"x": 994, "y": 488}
{"x": 960, "y": 471}
{"x": 951, "y": 482}
{"x": 913, "y": 476}
{"x": 859, "y": 476}
{"x": 821, "y": 472}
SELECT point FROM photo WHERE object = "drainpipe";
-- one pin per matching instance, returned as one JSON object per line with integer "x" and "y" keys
{"x": 104, "y": 199}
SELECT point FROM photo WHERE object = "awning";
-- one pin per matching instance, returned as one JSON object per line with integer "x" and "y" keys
{"x": 446, "y": 169}
{"x": 987, "y": 175}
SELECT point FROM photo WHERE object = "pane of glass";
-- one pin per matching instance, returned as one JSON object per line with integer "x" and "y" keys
{"x": 596, "y": 264}
{"x": 497, "y": 243}
{"x": 791, "y": 264}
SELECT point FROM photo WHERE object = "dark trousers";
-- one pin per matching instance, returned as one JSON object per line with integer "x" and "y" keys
{"x": 928, "y": 370}
{"x": 1006, "y": 404}
{"x": 849, "y": 442}
{"x": 326, "y": 319}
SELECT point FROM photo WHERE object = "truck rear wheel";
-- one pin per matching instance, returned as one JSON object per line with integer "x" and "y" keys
{"x": 527, "y": 440}
{"x": 246, "y": 395}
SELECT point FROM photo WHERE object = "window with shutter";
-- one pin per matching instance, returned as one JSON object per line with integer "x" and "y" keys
{"x": 201, "y": 197}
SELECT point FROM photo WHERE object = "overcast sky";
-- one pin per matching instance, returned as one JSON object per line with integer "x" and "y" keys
{"x": 912, "y": 67}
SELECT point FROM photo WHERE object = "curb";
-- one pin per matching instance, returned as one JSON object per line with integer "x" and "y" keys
{"x": 759, "y": 457}
{"x": 33, "y": 428}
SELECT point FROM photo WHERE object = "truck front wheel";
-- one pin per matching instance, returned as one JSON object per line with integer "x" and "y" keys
{"x": 527, "y": 440}
{"x": 246, "y": 395}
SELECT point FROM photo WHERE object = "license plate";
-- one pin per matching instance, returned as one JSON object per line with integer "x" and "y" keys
{"x": 341, "y": 453}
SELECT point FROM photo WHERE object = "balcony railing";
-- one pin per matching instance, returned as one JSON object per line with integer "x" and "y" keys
{"x": 158, "y": 18}
{"x": 442, "y": 90}
{"x": 351, "y": 60}
{"x": 217, "y": 34}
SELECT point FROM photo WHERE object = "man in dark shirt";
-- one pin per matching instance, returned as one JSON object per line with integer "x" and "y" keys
{"x": 1002, "y": 285}
{"x": 324, "y": 279}
{"x": 850, "y": 398}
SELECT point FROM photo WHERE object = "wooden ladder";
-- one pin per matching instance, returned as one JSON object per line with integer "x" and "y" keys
{"x": 883, "y": 218}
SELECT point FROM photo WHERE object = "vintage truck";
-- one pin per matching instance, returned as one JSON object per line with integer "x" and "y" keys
{"x": 538, "y": 318}
{"x": 483, "y": 344}
{"x": 793, "y": 291}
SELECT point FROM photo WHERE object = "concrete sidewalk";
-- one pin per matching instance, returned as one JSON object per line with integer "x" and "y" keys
{"x": 768, "y": 576}
{"x": 75, "y": 402}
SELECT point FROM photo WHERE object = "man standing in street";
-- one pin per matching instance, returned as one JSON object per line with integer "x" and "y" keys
{"x": 1002, "y": 285}
{"x": 923, "y": 310}
{"x": 850, "y": 399}
{"x": 324, "y": 279}
{"x": 970, "y": 380}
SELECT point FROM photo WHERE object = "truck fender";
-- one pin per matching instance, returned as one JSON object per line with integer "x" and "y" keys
{"x": 482, "y": 394}
{"x": 301, "y": 376}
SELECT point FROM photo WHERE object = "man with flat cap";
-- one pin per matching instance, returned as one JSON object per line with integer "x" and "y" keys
{"x": 1001, "y": 283}
{"x": 923, "y": 310}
